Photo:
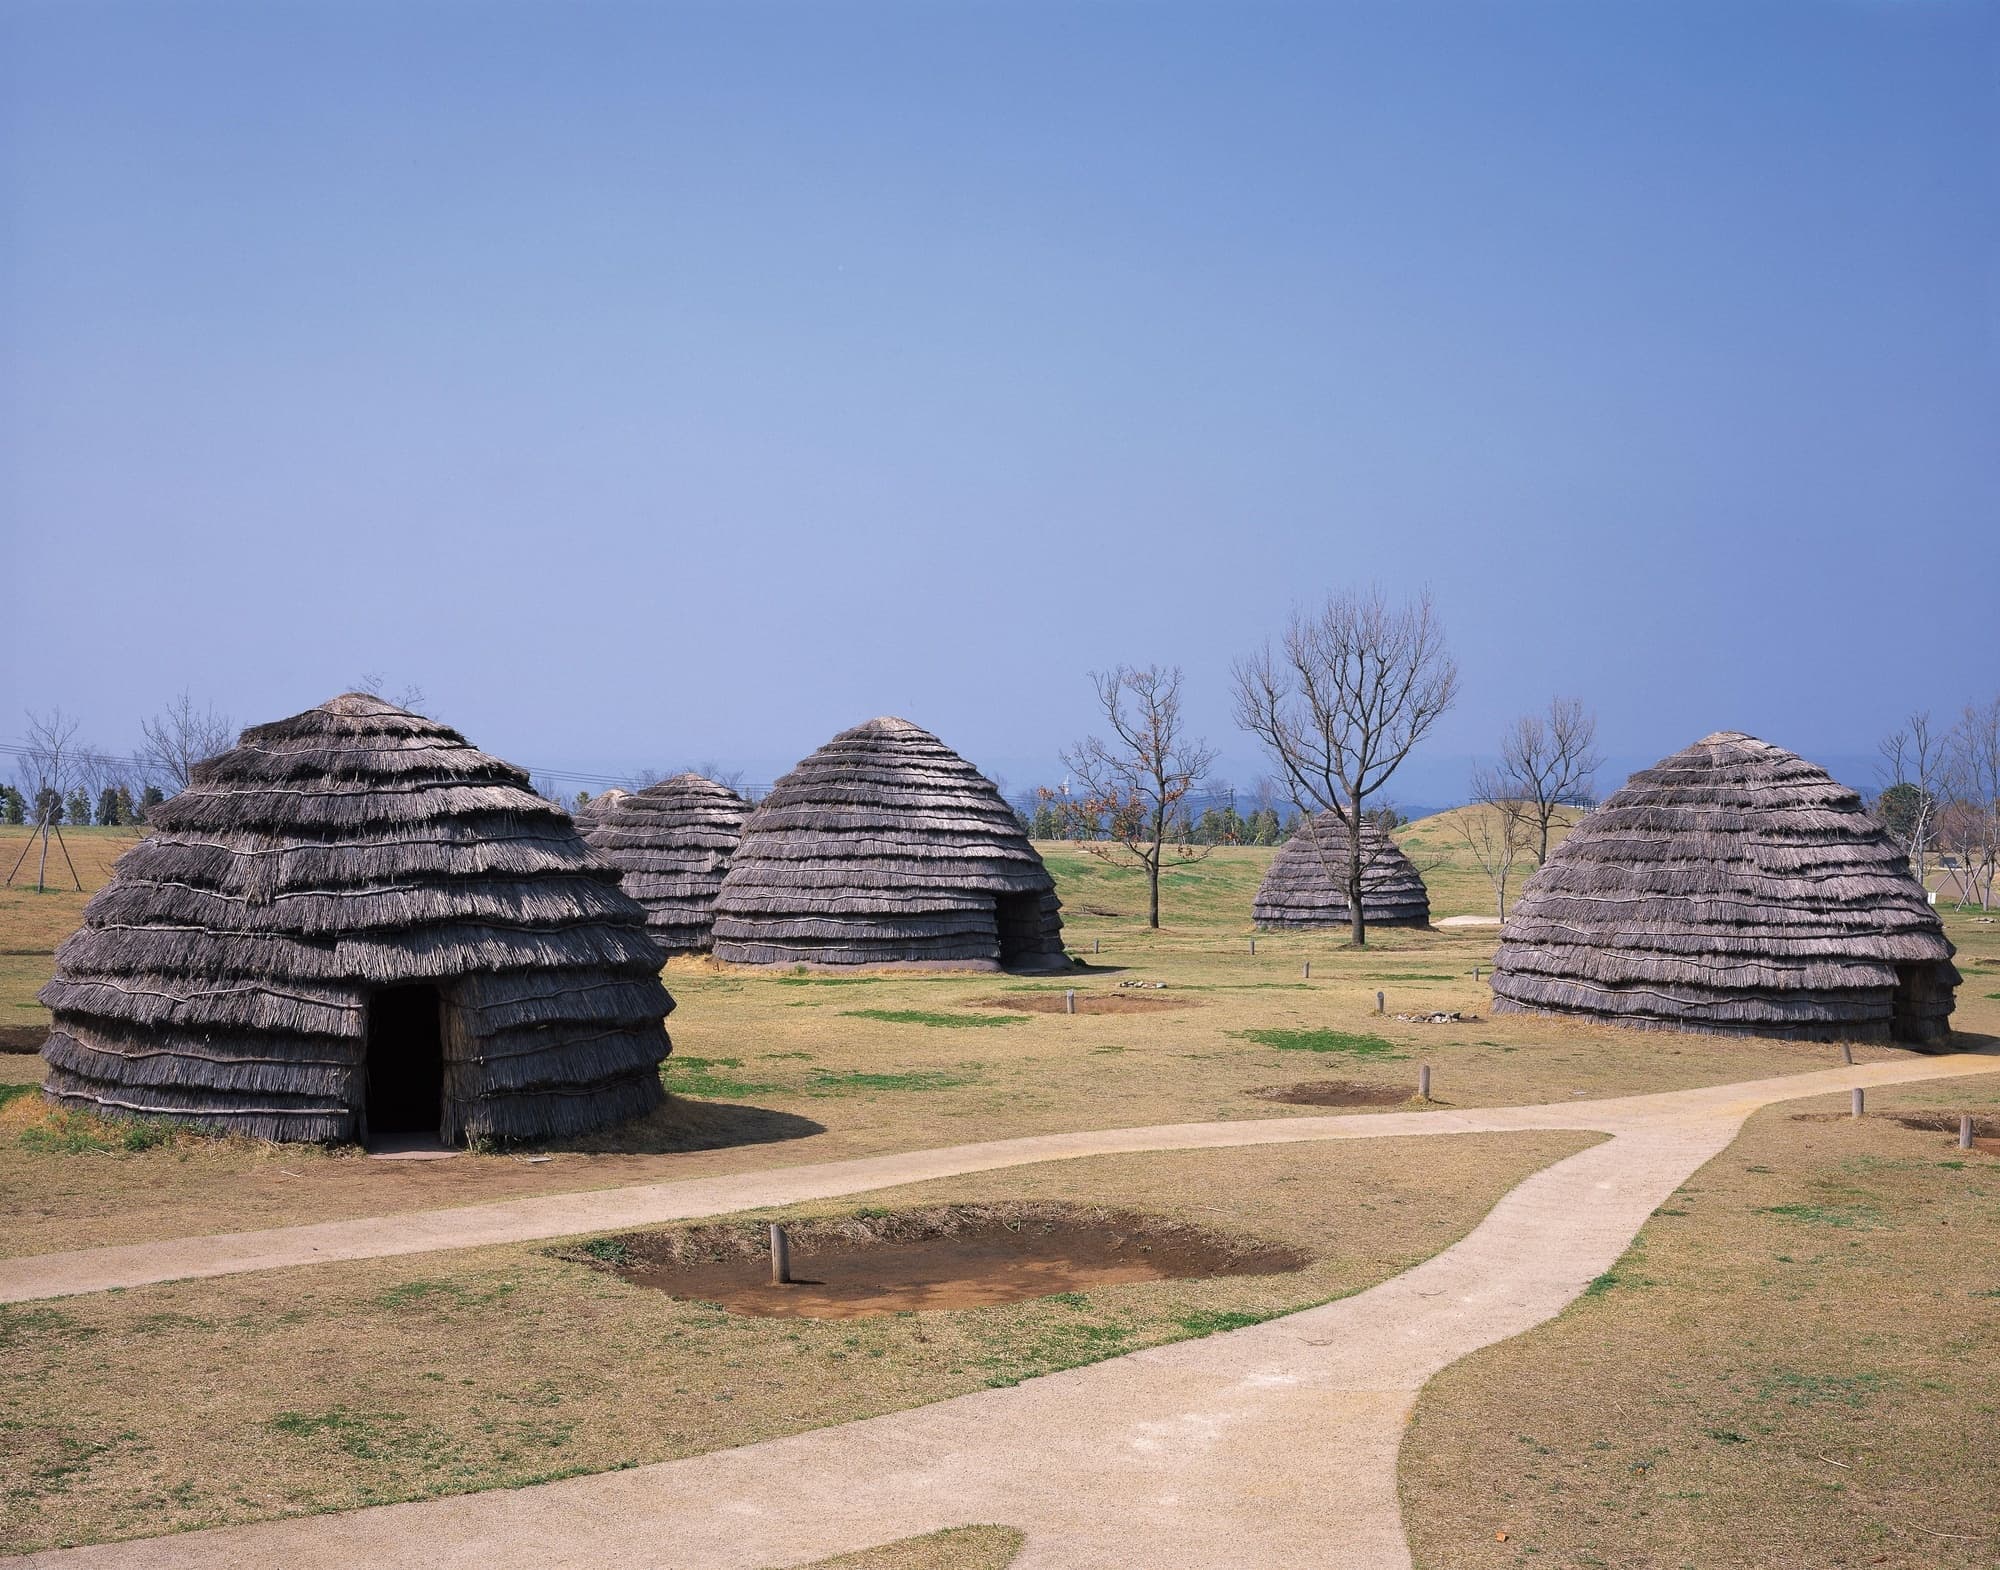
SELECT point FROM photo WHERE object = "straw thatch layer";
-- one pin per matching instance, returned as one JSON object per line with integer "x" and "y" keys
{"x": 885, "y": 847}
{"x": 1731, "y": 888}
{"x": 671, "y": 844}
{"x": 224, "y": 976}
{"x": 1306, "y": 885}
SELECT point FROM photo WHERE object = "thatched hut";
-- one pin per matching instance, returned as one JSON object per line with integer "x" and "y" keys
{"x": 1306, "y": 884}
{"x": 671, "y": 844}
{"x": 587, "y": 815}
{"x": 353, "y": 923}
{"x": 885, "y": 847}
{"x": 1732, "y": 888}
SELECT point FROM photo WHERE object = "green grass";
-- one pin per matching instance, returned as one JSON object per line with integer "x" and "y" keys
{"x": 1321, "y": 1041}
{"x": 1824, "y": 1215}
{"x": 76, "y": 1134}
{"x": 9, "y": 1092}
{"x": 710, "y": 1077}
{"x": 826, "y": 1083}
{"x": 1208, "y": 1322}
{"x": 927, "y": 1017}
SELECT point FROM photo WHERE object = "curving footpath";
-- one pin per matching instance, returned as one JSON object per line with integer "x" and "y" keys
{"x": 1273, "y": 1445}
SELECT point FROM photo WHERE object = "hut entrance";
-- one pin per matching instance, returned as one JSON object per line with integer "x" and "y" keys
{"x": 1019, "y": 919}
{"x": 405, "y": 1061}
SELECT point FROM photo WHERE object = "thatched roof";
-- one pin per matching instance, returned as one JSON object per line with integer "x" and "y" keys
{"x": 1306, "y": 885}
{"x": 671, "y": 842}
{"x": 885, "y": 847}
{"x": 224, "y": 975}
{"x": 587, "y": 816}
{"x": 1733, "y": 887}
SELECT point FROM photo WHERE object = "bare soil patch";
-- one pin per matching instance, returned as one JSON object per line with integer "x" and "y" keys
{"x": 1088, "y": 1003}
{"x": 1334, "y": 1093}
{"x": 953, "y": 1256}
{"x": 22, "y": 1038}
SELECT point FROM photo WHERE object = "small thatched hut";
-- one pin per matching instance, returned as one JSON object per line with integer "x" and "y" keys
{"x": 1731, "y": 888}
{"x": 587, "y": 815}
{"x": 353, "y": 923}
{"x": 1306, "y": 885}
{"x": 885, "y": 847}
{"x": 671, "y": 844}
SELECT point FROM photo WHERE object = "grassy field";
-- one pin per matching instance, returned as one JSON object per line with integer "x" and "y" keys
{"x": 1824, "y": 1293}
{"x": 201, "y": 1402}
{"x": 774, "y": 1069}
{"x": 1794, "y": 1366}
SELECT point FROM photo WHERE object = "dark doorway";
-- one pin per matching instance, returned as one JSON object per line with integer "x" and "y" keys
{"x": 1019, "y": 919}
{"x": 405, "y": 1061}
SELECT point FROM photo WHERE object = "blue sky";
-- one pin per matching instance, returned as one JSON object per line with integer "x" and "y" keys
{"x": 656, "y": 383}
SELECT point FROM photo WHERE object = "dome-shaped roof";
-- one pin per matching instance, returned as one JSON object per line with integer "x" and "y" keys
{"x": 1306, "y": 885}
{"x": 1731, "y": 887}
{"x": 671, "y": 844}
{"x": 345, "y": 899}
{"x": 886, "y": 847}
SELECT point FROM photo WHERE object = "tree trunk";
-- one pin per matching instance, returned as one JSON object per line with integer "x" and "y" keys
{"x": 1153, "y": 890}
{"x": 1357, "y": 924}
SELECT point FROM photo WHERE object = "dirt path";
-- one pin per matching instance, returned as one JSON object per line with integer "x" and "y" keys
{"x": 1266, "y": 1446}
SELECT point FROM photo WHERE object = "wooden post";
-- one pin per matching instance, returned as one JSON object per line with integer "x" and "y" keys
{"x": 1381, "y": 1007}
{"x": 1253, "y": 945}
{"x": 1965, "y": 1131}
{"x": 1860, "y": 1100}
{"x": 1309, "y": 970}
{"x": 1069, "y": 1001}
{"x": 1424, "y": 1082}
{"x": 781, "y": 1257}
{"x": 1846, "y": 1053}
{"x": 1097, "y": 945}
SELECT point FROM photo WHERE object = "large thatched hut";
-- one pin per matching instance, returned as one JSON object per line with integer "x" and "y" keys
{"x": 1733, "y": 888}
{"x": 1306, "y": 884}
{"x": 671, "y": 844}
{"x": 885, "y": 847}
{"x": 353, "y": 923}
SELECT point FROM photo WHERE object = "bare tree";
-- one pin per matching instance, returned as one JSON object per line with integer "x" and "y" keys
{"x": 1496, "y": 827}
{"x": 1547, "y": 764}
{"x": 1355, "y": 687}
{"x": 1135, "y": 781}
{"x": 180, "y": 736}
{"x": 52, "y": 768}
{"x": 1914, "y": 764}
{"x": 1971, "y": 821}
{"x": 374, "y": 683}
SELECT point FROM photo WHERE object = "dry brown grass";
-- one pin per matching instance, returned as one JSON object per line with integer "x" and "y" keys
{"x": 1793, "y": 1368}
{"x": 961, "y": 1548}
{"x": 202, "y": 1402}
{"x": 797, "y": 1053}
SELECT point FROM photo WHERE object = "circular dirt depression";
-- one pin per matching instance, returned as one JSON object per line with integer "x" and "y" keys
{"x": 952, "y": 1256}
{"x": 1334, "y": 1093}
{"x": 1087, "y": 1003}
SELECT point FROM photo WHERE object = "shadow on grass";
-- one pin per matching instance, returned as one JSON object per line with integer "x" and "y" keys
{"x": 681, "y": 1124}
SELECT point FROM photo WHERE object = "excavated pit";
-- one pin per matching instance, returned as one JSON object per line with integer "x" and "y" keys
{"x": 1334, "y": 1093}
{"x": 955, "y": 1256}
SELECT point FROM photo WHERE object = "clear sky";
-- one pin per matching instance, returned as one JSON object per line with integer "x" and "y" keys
{"x": 664, "y": 382}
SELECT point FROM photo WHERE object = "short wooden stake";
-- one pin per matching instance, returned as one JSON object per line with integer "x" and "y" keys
{"x": 1069, "y": 1001}
{"x": 1424, "y": 1082}
{"x": 1965, "y": 1131}
{"x": 781, "y": 1257}
{"x": 1860, "y": 1100}
{"x": 1846, "y": 1053}
{"x": 1381, "y": 1007}
{"x": 1253, "y": 945}
{"x": 1309, "y": 970}
{"x": 1097, "y": 945}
